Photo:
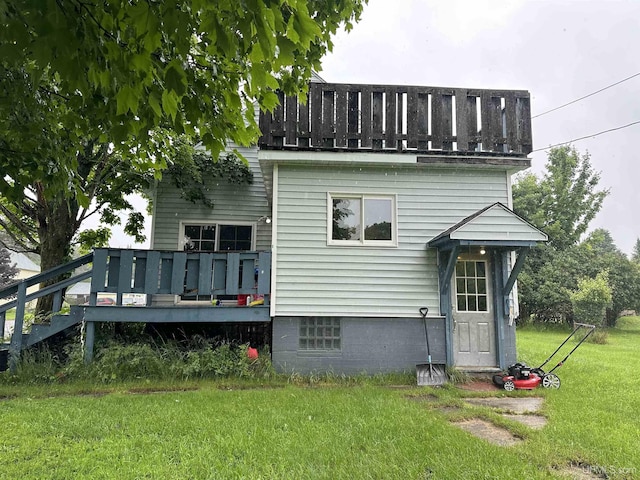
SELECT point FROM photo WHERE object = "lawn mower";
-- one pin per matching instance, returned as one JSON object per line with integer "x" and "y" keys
{"x": 522, "y": 377}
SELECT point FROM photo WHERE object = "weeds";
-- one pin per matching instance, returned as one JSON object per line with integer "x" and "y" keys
{"x": 116, "y": 361}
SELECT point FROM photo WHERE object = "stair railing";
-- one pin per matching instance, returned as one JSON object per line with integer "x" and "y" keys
{"x": 19, "y": 290}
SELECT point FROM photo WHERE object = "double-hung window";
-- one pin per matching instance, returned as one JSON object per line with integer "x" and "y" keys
{"x": 362, "y": 220}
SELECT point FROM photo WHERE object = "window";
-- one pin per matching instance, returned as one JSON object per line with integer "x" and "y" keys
{"x": 319, "y": 333}
{"x": 235, "y": 237}
{"x": 200, "y": 238}
{"x": 362, "y": 220}
{"x": 471, "y": 286}
{"x": 217, "y": 237}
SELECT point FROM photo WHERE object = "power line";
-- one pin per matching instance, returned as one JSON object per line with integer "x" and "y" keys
{"x": 587, "y": 136}
{"x": 586, "y": 96}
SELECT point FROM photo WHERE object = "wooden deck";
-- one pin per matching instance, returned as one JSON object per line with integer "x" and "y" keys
{"x": 401, "y": 119}
{"x": 153, "y": 273}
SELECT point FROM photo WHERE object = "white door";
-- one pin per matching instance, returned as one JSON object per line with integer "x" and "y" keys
{"x": 474, "y": 323}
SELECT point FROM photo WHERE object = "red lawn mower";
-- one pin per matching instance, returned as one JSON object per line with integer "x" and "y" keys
{"x": 522, "y": 377}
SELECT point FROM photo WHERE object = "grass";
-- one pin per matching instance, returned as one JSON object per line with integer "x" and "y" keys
{"x": 324, "y": 427}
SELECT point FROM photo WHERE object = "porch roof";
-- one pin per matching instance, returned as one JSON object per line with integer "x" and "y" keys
{"x": 492, "y": 226}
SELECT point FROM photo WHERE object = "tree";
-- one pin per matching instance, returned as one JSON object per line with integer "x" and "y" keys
{"x": 562, "y": 203}
{"x": 635, "y": 255}
{"x": 623, "y": 275}
{"x": 117, "y": 71}
{"x": 94, "y": 95}
{"x": 8, "y": 271}
{"x": 50, "y": 224}
{"x": 565, "y": 200}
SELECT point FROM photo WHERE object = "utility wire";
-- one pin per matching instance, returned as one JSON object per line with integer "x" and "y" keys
{"x": 587, "y": 136}
{"x": 586, "y": 96}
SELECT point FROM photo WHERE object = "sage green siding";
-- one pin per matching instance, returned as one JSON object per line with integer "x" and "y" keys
{"x": 313, "y": 278}
{"x": 232, "y": 203}
{"x": 498, "y": 223}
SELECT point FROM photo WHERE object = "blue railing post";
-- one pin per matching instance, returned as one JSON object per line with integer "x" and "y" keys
{"x": 89, "y": 340}
{"x": 16, "y": 339}
{"x": 2, "y": 320}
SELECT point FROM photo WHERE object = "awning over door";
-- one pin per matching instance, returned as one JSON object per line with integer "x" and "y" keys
{"x": 500, "y": 231}
{"x": 492, "y": 226}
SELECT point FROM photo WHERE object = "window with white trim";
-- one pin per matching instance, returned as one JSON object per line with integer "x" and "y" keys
{"x": 319, "y": 333}
{"x": 362, "y": 220}
{"x": 215, "y": 237}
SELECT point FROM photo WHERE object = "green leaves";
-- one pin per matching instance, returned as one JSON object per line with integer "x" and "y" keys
{"x": 92, "y": 86}
{"x": 565, "y": 200}
{"x": 127, "y": 100}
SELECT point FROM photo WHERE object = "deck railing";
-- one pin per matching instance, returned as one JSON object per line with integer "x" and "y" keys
{"x": 150, "y": 272}
{"x": 401, "y": 118}
{"x": 154, "y": 272}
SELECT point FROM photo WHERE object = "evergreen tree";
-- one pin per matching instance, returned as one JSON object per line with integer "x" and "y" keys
{"x": 8, "y": 271}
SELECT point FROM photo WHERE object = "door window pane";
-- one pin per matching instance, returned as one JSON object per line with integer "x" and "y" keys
{"x": 482, "y": 303}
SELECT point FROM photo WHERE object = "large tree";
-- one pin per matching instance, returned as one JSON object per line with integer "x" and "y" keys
{"x": 562, "y": 203}
{"x": 94, "y": 94}
{"x": 565, "y": 200}
{"x": 120, "y": 69}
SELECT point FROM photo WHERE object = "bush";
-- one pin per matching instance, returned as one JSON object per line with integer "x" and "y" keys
{"x": 591, "y": 299}
{"x": 600, "y": 337}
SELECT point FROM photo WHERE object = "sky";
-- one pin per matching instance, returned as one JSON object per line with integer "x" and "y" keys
{"x": 558, "y": 50}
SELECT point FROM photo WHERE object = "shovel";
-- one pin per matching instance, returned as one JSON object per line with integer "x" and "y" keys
{"x": 428, "y": 373}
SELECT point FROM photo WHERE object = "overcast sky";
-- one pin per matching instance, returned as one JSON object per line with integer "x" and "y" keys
{"x": 558, "y": 50}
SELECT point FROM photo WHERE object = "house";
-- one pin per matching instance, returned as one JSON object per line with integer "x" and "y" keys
{"x": 382, "y": 200}
{"x": 369, "y": 203}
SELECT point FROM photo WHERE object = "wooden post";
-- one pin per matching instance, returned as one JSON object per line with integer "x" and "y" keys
{"x": 89, "y": 340}
{"x": 446, "y": 266}
{"x": 15, "y": 347}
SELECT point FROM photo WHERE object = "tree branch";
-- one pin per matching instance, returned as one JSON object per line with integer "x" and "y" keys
{"x": 19, "y": 224}
{"x": 16, "y": 239}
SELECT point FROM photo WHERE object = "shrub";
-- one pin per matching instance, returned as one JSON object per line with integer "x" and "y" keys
{"x": 600, "y": 337}
{"x": 591, "y": 299}
{"x": 127, "y": 362}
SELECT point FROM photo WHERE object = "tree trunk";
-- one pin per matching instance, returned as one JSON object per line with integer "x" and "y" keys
{"x": 57, "y": 226}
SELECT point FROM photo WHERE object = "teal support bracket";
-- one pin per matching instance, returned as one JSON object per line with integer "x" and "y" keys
{"x": 446, "y": 265}
{"x": 517, "y": 268}
{"x": 497, "y": 262}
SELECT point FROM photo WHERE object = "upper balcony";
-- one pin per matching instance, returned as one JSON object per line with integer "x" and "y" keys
{"x": 392, "y": 118}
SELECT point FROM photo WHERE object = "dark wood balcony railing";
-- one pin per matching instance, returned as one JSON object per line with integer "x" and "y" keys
{"x": 401, "y": 118}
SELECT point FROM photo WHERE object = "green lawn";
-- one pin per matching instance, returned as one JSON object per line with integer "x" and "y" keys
{"x": 327, "y": 431}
